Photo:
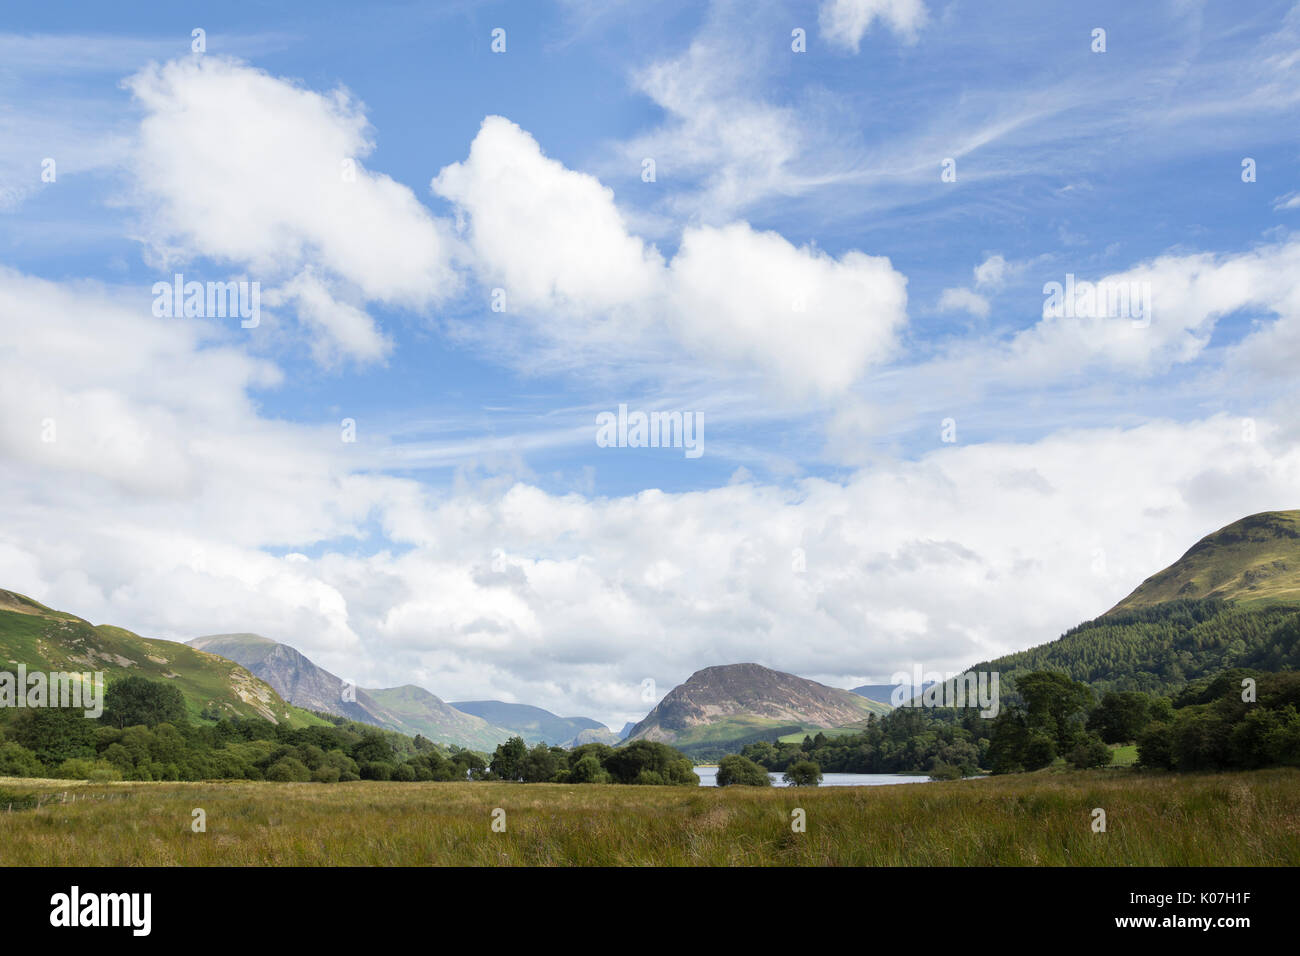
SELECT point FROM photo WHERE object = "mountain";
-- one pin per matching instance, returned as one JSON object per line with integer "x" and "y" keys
{"x": 627, "y": 729}
{"x": 1233, "y": 600}
{"x": 883, "y": 693}
{"x": 721, "y": 708}
{"x": 47, "y": 640}
{"x": 536, "y": 725}
{"x": 1252, "y": 561}
{"x": 413, "y": 710}
{"x": 595, "y": 735}
{"x": 293, "y": 676}
{"x": 409, "y": 709}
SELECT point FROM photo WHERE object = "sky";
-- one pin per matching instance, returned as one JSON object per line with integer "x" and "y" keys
{"x": 825, "y": 233}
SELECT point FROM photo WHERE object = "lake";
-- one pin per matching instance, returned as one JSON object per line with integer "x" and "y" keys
{"x": 709, "y": 778}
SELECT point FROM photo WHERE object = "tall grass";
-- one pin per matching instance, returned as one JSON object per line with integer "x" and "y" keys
{"x": 1036, "y": 819}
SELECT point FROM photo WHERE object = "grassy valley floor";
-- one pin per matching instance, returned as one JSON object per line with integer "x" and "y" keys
{"x": 1042, "y": 819}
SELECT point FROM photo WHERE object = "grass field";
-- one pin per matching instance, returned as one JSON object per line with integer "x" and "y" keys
{"x": 1037, "y": 819}
{"x": 1124, "y": 756}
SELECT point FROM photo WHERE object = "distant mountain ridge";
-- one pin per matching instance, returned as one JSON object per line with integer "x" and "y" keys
{"x": 536, "y": 725}
{"x": 408, "y": 709}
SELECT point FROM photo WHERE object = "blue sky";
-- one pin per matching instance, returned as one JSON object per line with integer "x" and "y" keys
{"x": 475, "y": 538}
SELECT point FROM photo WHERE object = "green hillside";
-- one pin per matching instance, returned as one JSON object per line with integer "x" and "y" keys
{"x": 47, "y": 640}
{"x": 1252, "y": 561}
{"x": 413, "y": 710}
{"x": 1160, "y": 649}
{"x": 1233, "y": 600}
{"x": 534, "y": 724}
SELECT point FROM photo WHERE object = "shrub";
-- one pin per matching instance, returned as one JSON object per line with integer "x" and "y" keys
{"x": 1091, "y": 751}
{"x": 588, "y": 770}
{"x": 17, "y": 761}
{"x": 650, "y": 762}
{"x": 288, "y": 770}
{"x": 945, "y": 771}
{"x": 805, "y": 773}
{"x": 1155, "y": 747}
{"x": 325, "y": 774}
{"x": 735, "y": 770}
{"x": 377, "y": 770}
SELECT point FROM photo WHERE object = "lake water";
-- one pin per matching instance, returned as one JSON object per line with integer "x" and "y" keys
{"x": 709, "y": 778}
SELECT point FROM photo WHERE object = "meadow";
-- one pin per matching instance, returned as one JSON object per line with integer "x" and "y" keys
{"x": 1040, "y": 819}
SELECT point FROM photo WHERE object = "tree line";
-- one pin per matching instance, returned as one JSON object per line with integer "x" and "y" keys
{"x": 1238, "y": 719}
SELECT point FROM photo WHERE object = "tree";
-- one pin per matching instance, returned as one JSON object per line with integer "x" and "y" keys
{"x": 1040, "y": 750}
{"x": 469, "y": 764}
{"x": 1089, "y": 752}
{"x": 288, "y": 770}
{"x": 373, "y": 747}
{"x": 740, "y": 771}
{"x": 1121, "y": 716}
{"x": 1055, "y": 705}
{"x": 1156, "y": 747}
{"x": 17, "y": 761}
{"x": 508, "y": 760}
{"x": 588, "y": 770}
{"x": 133, "y": 701}
{"x": 55, "y": 734}
{"x": 805, "y": 773}
{"x": 377, "y": 770}
{"x": 651, "y": 762}
{"x": 540, "y": 765}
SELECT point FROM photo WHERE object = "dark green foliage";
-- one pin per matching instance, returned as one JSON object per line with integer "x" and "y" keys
{"x": 543, "y": 763}
{"x": 288, "y": 770}
{"x": 1121, "y": 716}
{"x": 1213, "y": 728}
{"x": 372, "y": 748}
{"x": 51, "y": 742}
{"x": 1159, "y": 649}
{"x": 650, "y": 762}
{"x": 17, "y": 761}
{"x": 54, "y": 734}
{"x": 1089, "y": 752}
{"x": 134, "y": 701}
{"x": 1055, "y": 706}
{"x": 741, "y": 771}
{"x": 910, "y": 739}
{"x": 804, "y": 773}
{"x": 508, "y": 760}
{"x": 587, "y": 769}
